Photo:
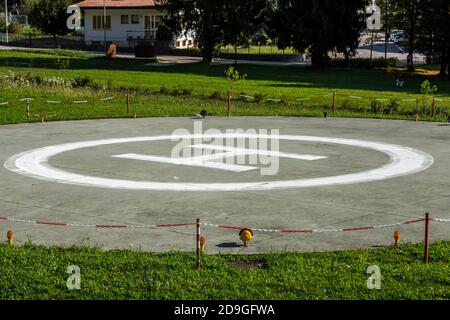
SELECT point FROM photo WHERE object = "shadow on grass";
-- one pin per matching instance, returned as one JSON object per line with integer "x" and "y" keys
{"x": 283, "y": 77}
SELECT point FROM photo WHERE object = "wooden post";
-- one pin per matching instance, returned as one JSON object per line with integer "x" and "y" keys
{"x": 229, "y": 103}
{"x": 427, "y": 226}
{"x": 433, "y": 107}
{"x": 128, "y": 101}
{"x": 334, "y": 102}
{"x": 28, "y": 107}
{"x": 198, "y": 264}
{"x": 424, "y": 106}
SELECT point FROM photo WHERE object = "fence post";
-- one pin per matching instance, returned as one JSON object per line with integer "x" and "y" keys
{"x": 229, "y": 103}
{"x": 28, "y": 107}
{"x": 198, "y": 264}
{"x": 426, "y": 246}
{"x": 128, "y": 101}
{"x": 424, "y": 106}
{"x": 334, "y": 101}
{"x": 433, "y": 107}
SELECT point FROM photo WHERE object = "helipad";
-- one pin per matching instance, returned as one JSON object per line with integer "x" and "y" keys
{"x": 332, "y": 173}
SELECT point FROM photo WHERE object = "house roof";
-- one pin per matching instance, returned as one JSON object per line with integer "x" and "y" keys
{"x": 116, "y": 4}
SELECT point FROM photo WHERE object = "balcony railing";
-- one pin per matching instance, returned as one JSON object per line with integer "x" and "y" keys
{"x": 142, "y": 35}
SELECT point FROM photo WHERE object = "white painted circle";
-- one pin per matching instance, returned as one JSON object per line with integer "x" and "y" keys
{"x": 403, "y": 161}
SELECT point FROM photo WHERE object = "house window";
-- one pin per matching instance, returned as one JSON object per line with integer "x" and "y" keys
{"x": 178, "y": 44}
{"x": 124, "y": 19}
{"x": 184, "y": 43}
{"x": 97, "y": 23}
{"x": 134, "y": 19}
{"x": 157, "y": 22}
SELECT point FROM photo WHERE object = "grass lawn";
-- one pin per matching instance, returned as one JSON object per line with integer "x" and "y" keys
{"x": 258, "y": 50}
{"x": 282, "y": 91}
{"x": 32, "y": 272}
{"x": 251, "y": 50}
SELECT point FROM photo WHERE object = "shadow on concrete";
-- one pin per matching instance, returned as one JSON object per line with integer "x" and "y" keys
{"x": 229, "y": 245}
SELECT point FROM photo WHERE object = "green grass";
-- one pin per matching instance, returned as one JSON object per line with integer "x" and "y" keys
{"x": 33, "y": 272}
{"x": 258, "y": 50}
{"x": 201, "y": 81}
{"x": 250, "y": 50}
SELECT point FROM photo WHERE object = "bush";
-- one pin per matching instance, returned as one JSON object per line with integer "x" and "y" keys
{"x": 164, "y": 90}
{"x": 284, "y": 100}
{"x": 216, "y": 95}
{"x": 260, "y": 97}
{"x": 375, "y": 106}
{"x": 178, "y": 90}
{"x": 83, "y": 81}
{"x": 346, "y": 104}
{"x": 186, "y": 92}
{"x": 393, "y": 105}
{"x": 28, "y": 80}
{"x": 62, "y": 63}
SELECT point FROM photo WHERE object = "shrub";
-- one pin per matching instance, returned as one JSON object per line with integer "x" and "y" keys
{"x": 234, "y": 77}
{"x": 62, "y": 63}
{"x": 28, "y": 80}
{"x": 393, "y": 105}
{"x": 164, "y": 90}
{"x": 284, "y": 100}
{"x": 83, "y": 81}
{"x": 375, "y": 106}
{"x": 346, "y": 105}
{"x": 187, "y": 92}
{"x": 178, "y": 90}
{"x": 109, "y": 85}
{"x": 427, "y": 89}
{"x": 216, "y": 95}
{"x": 260, "y": 97}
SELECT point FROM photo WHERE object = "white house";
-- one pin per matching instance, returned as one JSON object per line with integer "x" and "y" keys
{"x": 127, "y": 21}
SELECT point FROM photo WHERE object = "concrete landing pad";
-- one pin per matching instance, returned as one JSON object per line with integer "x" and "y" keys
{"x": 333, "y": 174}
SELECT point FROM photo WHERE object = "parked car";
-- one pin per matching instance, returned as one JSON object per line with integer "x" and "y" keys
{"x": 398, "y": 36}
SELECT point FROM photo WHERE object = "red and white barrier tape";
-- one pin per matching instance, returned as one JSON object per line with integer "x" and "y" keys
{"x": 97, "y": 226}
{"x": 175, "y": 225}
{"x": 325, "y": 230}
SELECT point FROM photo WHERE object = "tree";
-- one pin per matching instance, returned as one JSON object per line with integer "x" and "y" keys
{"x": 49, "y": 15}
{"x": 203, "y": 17}
{"x": 320, "y": 26}
{"x": 242, "y": 20}
{"x": 408, "y": 17}
{"x": 434, "y": 38}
